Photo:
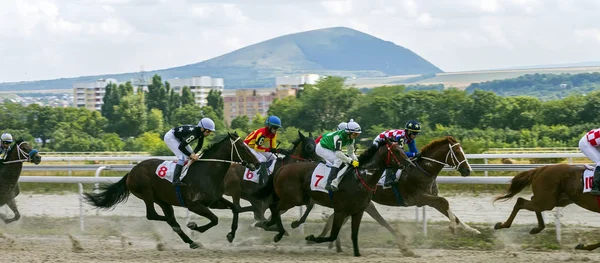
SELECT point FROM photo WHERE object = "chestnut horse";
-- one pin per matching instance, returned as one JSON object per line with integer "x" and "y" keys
{"x": 237, "y": 187}
{"x": 555, "y": 185}
{"x": 204, "y": 190}
{"x": 290, "y": 187}
{"x": 417, "y": 186}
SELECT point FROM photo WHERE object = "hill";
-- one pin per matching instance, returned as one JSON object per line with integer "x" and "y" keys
{"x": 336, "y": 51}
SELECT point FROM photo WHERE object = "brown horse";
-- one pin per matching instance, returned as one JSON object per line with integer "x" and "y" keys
{"x": 10, "y": 171}
{"x": 555, "y": 185}
{"x": 237, "y": 187}
{"x": 417, "y": 186}
{"x": 290, "y": 187}
{"x": 204, "y": 190}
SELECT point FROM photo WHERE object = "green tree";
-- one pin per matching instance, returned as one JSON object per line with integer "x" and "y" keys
{"x": 187, "y": 97}
{"x": 215, "y": 100}
{"x": 132, "y": 115}
{"x": 155, "y": 121}
{"x": 240, "y": 122}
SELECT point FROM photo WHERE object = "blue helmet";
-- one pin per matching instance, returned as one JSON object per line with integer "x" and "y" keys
{"x": 273, "y": 121}
{"x": 412, "y": 127}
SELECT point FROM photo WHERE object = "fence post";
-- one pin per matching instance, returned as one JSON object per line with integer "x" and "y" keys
{"x": 416, "y": 214}
{"x": 557, "y": 223}
{"x": 301, "y": 228}
{"x": 424, "y": 221}
{"x": 81, "y": 207}
{"x": 485, "y": 161}
{"x": 97, "y": 174}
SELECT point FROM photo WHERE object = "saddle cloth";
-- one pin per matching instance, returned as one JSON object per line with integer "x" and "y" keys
{"x": 252, "y": 176}
{"x": 382, "y": 179}
{"x": 166, "y": 170}
{"x": 318, "y": 179}
{"x": 588, "y": 178}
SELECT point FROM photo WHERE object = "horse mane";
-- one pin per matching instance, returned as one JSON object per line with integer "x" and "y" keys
{"x": 434, "y": 144}
{"x": 14, "y": 146}
{"x": 219, "y": 138}
{"x": 369, "y": 152}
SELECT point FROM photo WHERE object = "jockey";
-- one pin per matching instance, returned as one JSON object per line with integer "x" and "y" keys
{"x": 330, "y": 149}
{"x": 178, "y": 140}
{"x": 262, "y": 143}
{"x": 341, "y": 126}
{"x": 403, "y": 137}
{"x": 6, "y": 139}
{"x": 589, "y": 145}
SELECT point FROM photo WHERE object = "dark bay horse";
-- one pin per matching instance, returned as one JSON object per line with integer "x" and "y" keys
{"x": 204, "y": 190}
{"x": 555, "y": 185}
{"x": 290, "y": 186}
{"x": 416, "y": 185}
{"x": 237, "y": 187}
{"x": 10, "y": 171}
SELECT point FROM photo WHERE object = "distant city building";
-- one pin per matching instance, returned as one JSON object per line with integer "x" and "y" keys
{"x": 90, "y": 95}
{"x": 250, "y": 102}
{"x": 199, "y": 86}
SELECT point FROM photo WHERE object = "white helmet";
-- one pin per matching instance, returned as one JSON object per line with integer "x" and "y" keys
{"x": 6, "y": 137}
{"x": 353, "y": 127}
{"x": 342, "y": 125}
{"x": 207, "y": 123}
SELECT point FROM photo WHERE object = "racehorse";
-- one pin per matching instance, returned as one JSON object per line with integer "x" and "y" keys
{"x": 291, "y": 186}
{"x": 237, "y": 187}
{"x": 10, "y": 171}
{"x": 204, "y": 190}
{"x": 555, "y": 185}
{"x": 417, "y": 186}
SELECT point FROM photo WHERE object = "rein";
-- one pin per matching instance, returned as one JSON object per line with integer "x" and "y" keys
{"x": 21, "y": 153}
{"x": 451, "y": 155}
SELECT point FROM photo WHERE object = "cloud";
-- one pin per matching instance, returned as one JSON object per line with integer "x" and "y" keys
{"x": 42, "y": 39}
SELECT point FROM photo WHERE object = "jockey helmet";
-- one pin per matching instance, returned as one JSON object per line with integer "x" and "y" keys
{"x": 6, "y": 137}
{"x": 342, "y": 125}
{"x": 353, "y": 127}
{"x": 207, "y": 124}
{"x": 273, "y": 121}
{"x": 412, "y": 127}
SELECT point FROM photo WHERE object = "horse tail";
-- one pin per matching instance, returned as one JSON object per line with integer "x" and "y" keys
{"x": 267, "y": 190}
{"x": 518, "y": 183}
{"x": 110, "y": 195}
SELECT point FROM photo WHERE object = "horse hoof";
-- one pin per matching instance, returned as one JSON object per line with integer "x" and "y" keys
{"x": 535, "y": 230}
{"x": 310, "y": 238}
{"x": 277, "y": 238}
{"x": 295, "y": 224}
{"x": 357, "y": 254}
{"x": 192, "y": 225}
{"x": 498, "y": 225}
{"x": 194, "y": 245}
{"x": 580, "y": 246}
{"x": 230, "y": 237}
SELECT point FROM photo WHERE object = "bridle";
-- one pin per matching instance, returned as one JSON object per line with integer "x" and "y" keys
{"x": 451, "y": 155}
{"x": 22, "y": 155}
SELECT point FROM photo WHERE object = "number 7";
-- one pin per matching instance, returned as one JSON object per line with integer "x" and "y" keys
{"x": 319, "y": 178}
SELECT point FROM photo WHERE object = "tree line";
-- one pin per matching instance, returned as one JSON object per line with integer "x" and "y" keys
{"x": 480, "y": 119}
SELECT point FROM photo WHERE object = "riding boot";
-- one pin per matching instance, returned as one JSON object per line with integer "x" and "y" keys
{"x": 332, "y": 174}
{"x": 390, "y": 177}
{"x": 263, "y": 174}
{"x": 596, "y": 184}
{"x": 177, "y": 175}
{"x": 338, "y": 179}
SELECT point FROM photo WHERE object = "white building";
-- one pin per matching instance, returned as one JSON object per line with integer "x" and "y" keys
{"x": 199, "y": 86}
{"x": 296, "y": 82}
{"x": 91, "y": 94}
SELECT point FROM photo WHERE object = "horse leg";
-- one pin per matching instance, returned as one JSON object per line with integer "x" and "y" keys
{"x": 13, "y": 206}
{"x": 148, "y": 197}
{"x": 522, "y": 204}
{"x": 588, "y": 247}
{"x": 442, "y": 205}
{"x": 302, "y": 219}
{"x": 172, "y": 221}
{"x": 202, "y": 210}
{"x": 356, "y": 218}
{"x": 338, "y": 220}
{"x": 541, "y": 224}
{"x": 338, "y": 244}
{"x": 400, "y": 239}
{"x": 234, "y": 222}
{"x": 278, "y": 208}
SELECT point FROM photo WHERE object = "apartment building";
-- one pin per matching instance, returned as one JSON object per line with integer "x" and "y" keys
{"x": 250, "y": 102}
{"x": 199, "y": 86}
{"x": 90, "y": 95}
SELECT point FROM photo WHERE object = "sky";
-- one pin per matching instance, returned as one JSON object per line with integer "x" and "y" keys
{"x": 47, "y": 39}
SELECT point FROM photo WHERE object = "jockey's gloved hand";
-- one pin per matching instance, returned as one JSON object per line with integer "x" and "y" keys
{"x": 417, "y": 156}
{"x": 354, "y": 163}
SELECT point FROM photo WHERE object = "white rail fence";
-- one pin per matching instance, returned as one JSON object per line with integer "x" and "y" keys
{"x": 126, "y": 167}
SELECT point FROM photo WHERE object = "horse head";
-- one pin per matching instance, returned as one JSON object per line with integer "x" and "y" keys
{"x": 448, "y": 151}
{"x": 304, "y": 147}
{"x": 241, "y": 153}
{"x": 22, "y": 151}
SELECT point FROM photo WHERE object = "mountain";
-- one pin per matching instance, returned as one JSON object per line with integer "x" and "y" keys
{"x": 336, "y": 51}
